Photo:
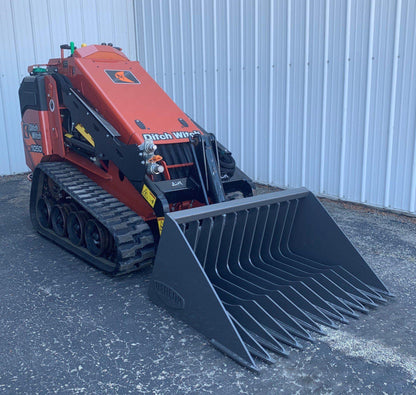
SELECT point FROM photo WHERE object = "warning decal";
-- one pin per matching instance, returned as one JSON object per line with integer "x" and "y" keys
{"x": 122, "y": 77}
{"x": 160, "y": 222}
{"x": 148, "y": 195}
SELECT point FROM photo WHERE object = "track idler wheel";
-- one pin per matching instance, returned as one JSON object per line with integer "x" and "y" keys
{"x": 75, "y": 227}
{"x": 43, "y": 212}
{"x": 59, "y": 215}
{"x": 97, "y": 238}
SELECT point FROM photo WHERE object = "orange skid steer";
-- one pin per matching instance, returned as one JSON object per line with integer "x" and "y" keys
{"x": 123, "y": 179}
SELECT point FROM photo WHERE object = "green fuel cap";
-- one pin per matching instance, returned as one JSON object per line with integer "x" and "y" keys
{"x": 39, "y": 70}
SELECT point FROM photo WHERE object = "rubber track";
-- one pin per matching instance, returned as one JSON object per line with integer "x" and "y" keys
{"x": 132, "y": 237}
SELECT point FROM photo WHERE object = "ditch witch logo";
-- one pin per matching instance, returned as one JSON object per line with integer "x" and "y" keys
{"x": 170, "y": 135}
{"x": 122, "y": 77}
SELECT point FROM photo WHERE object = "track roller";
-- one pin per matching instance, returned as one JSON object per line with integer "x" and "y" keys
{"x": 75, "y": 227}
{"x": 97, "y": 238}
{"x": 43, "y": 212}
{"x": 59, "y": 216}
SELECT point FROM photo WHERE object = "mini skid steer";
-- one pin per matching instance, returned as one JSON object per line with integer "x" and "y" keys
{"x": 123, "y": 178}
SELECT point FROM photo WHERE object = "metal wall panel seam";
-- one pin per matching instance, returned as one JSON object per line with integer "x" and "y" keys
{"x": 305, "y": 91}
{"x": 256, "y": 85}
{"x": 204, "y": 62}
{"x": 367, "y": 101}
{"x": 242, "y": 155}
{"x": 113, "y": 25}
{"x": 410, "y": 126}
{"x": 48, "y": 11}
{"x": 324, "y": 101}
{"x": 34, "y": 46}
{"x": 6, "y": 145}
{"x": 8, "y": 140}
{"x": 66, "y": 19}
{"x": 171, "y": 51}
{"x": 97, "y": 18}
{"x": 145, "y": 35}
{"x": 162, "y": 44}
{"x": 155, "y": 65}
{"x": 412, "y": 202}
{"x": 401, "y": 197}
{"x": 345, "y": 100}
{"x": 3, "y": 82}
{"x": 136, "y": 34}
{"x": 412, "y": 205}
{"x": 228, "y": 76}
{"x": 193, "y": 59}
{"x": 185, "y": 99}
{"x": 137, "y": 29}
{"x": 288, "y": 65}
{"x": 271, "y": 96}
{"x": 136, "y": 38}
{"x": 81, "y": 4}
{"x": 377, "y": 91}
{"x": 150, "y": 55}
{"x": 216, "y": 114}
{"x": 392, "y": 103}
{"x": 14, "y": 37}
{"x": 131, "y": 29}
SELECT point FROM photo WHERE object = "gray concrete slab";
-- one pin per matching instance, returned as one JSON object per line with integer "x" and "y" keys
{"x": 66, "y": 327}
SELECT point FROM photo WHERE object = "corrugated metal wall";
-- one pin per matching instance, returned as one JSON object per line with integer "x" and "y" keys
{"x": 318, "y": 93}
{"x": 31, "y": 32}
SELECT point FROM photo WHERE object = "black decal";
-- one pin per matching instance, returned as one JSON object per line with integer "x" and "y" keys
{"x": 122, "y": 77}
{"x": 36, "y": 148}
{"x": 36, "y": 135}
{"x": 183, "y": 122}
{"x": 31, "y": 129}
{"x": 140, "y": 124}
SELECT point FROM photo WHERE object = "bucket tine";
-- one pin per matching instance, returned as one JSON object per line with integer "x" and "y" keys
{"x": 315, "y": 267}
{"x": 325, "y": 242}
{"x": 302, "y": 317}
{"x": 224, "y": 272}
{"x": 255, "y": 348}
{"x": 266, "y": 301}
{"x": 255, "y": 328}
{"x": 201, "y": 250}
{"x": 281, "y": 231}
{"x": 341, "y": 277}
{"x": 191, "y": 233}
{"x": 288, "y": 293}
{"x": 261, "y": 267}
{"x": 371, "y": 293}
{"x": 256, "y": 273}
{"x": 292, "y": 289}
{"x": 304, "y": 285}
{"x": 262, "y": 315}
{"x": 354, "y": 292}
{"x": 215, "y": 275}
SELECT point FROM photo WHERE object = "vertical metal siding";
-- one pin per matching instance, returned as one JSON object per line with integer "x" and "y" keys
{"x": 31, "y": 32}
{"x": 318, "y": 93}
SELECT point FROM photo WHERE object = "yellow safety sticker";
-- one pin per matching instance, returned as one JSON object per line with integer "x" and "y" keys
{"x": 148, "y": 195}
{"x": 160, "y": 222}
{"x": 85, "y": 134}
